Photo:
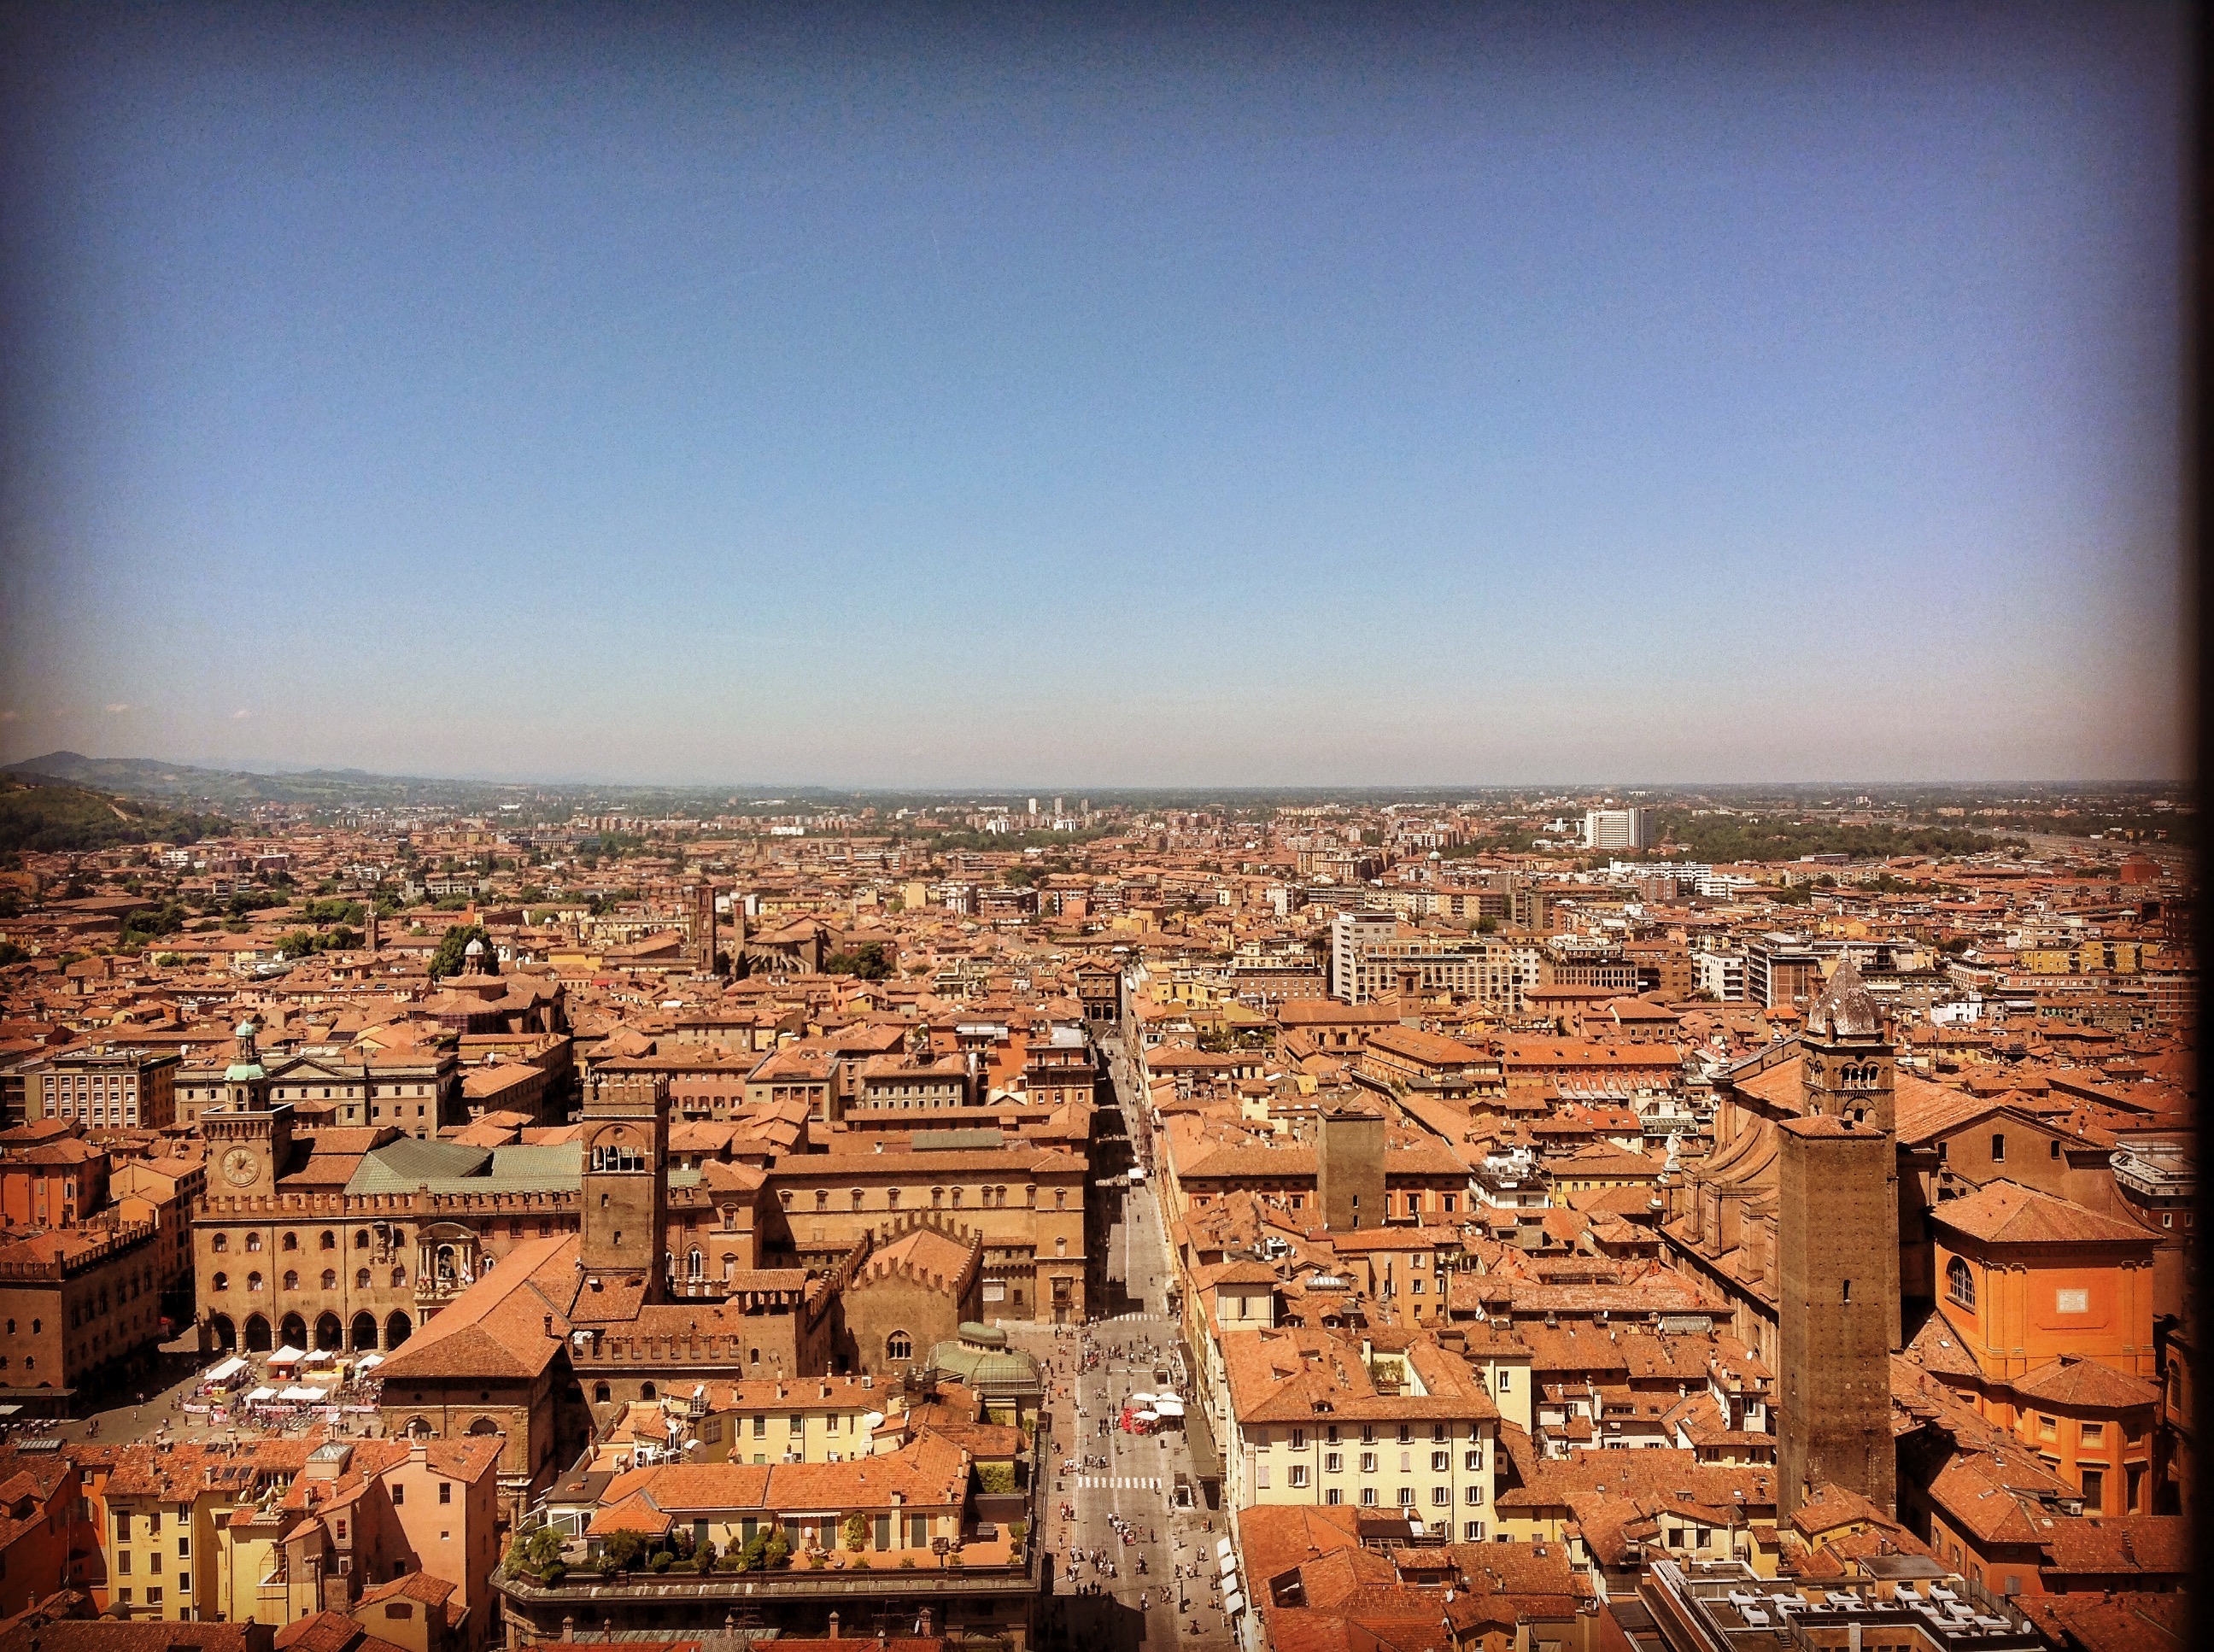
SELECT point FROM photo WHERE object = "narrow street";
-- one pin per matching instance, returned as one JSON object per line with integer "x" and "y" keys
{"x": 1124, "y": 1483}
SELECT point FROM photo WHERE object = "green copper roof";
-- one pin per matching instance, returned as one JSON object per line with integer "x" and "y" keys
{"x": 987, "y": 1370}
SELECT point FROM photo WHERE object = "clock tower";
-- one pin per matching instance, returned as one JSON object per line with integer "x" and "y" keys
{"x": 249, "y": 1137}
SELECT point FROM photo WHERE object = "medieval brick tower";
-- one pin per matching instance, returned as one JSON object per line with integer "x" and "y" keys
{"x": 1349, "y": 1168}
{"x": 703, "y": 930}
{"x": 626, "y": 1185}
{"x": 1838, "y": 1236}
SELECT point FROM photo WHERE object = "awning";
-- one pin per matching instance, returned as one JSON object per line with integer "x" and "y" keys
{"x": 256, "y": 1396}
{"x": 287, "y": 1357}
{"x": 309, "y": 1396}
{"x": 368, "y": 1361}
{"x": 321, "y": 1356}
{"x": 1142, "y": 1399}
{"x": 1233, "y": 1604}
{"x": 224, "y": 1370}
{"x": 1169, "y": 1406}
{"x": 1148, "y": 1416}
{"x": 1199, "y": 1440}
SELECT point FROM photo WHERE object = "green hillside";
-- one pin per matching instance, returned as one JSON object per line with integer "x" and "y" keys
{"x": 49, "y": 817}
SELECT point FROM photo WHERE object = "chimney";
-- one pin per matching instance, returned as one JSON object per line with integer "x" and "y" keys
{"x": 833, "y": 1625}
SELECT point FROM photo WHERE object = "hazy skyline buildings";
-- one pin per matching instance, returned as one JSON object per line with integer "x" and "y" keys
{"x": 1729, "y": 396}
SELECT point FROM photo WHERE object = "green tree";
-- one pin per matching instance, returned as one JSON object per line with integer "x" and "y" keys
{"x": 620, "y": 1552}
{"x": 537, "y": 1553}
{"x": 867, "y": 963}
{"x": 777, "y": 1550}
{"x": 857, "y": 1531}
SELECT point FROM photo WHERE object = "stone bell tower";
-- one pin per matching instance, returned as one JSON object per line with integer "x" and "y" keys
{"x": 1838, "y": 1244}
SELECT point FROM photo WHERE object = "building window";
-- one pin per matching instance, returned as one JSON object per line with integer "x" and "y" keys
{"x": 330, "y": 1279}
{"x": 1440, "y": 1462}
{"x": 1298, "y": 1475}
{"x": 1333, "y": 1462}
{"x": 1959, "y": 1283}
{"x": 1442, "y": 1496}
{"x": 899, "y": 1346}
{"x": 361, "y": 1279}
{"x": 291, "y": 1279}
{"x": 1368, "y": 1462}
{"x": 1998, "y": 1147}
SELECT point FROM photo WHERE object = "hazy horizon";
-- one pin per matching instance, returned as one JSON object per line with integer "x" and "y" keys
{"x": 1627, "y": 791}
{"x": 1732, "y": 396}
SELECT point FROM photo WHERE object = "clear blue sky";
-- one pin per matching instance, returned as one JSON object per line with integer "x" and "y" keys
{"x": 1778, "y": 392}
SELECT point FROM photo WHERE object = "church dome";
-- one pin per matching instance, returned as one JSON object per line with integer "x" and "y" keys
{"x": 1846, "y": 1009}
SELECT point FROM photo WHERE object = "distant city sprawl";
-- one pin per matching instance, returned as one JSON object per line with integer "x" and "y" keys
{"x": 528, "y": 1213}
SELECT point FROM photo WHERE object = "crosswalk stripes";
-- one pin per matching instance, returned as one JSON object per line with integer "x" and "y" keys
{"x": 1119, "y": 1483}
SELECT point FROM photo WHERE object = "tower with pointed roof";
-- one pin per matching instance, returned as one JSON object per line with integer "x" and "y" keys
{"x": 1837, "y": 1308}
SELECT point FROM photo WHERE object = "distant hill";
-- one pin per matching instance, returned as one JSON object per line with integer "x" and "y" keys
{"x": 188, "y": 785}
{"x": 51, "y": 817}
{"x": 228, "y": 788}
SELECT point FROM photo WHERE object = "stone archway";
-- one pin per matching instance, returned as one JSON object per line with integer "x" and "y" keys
{"x": 364, "y": 1332}
{"x": 397, "y": 1328}
{"x": 223, "y": 1333}
{"x": 257, "y": 1334}
{"x": 329, "y": 1333}
{"x": 292, "y": 1331}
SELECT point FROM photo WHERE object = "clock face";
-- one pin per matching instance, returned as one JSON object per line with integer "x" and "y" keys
{"x": 239, "y": 1164}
